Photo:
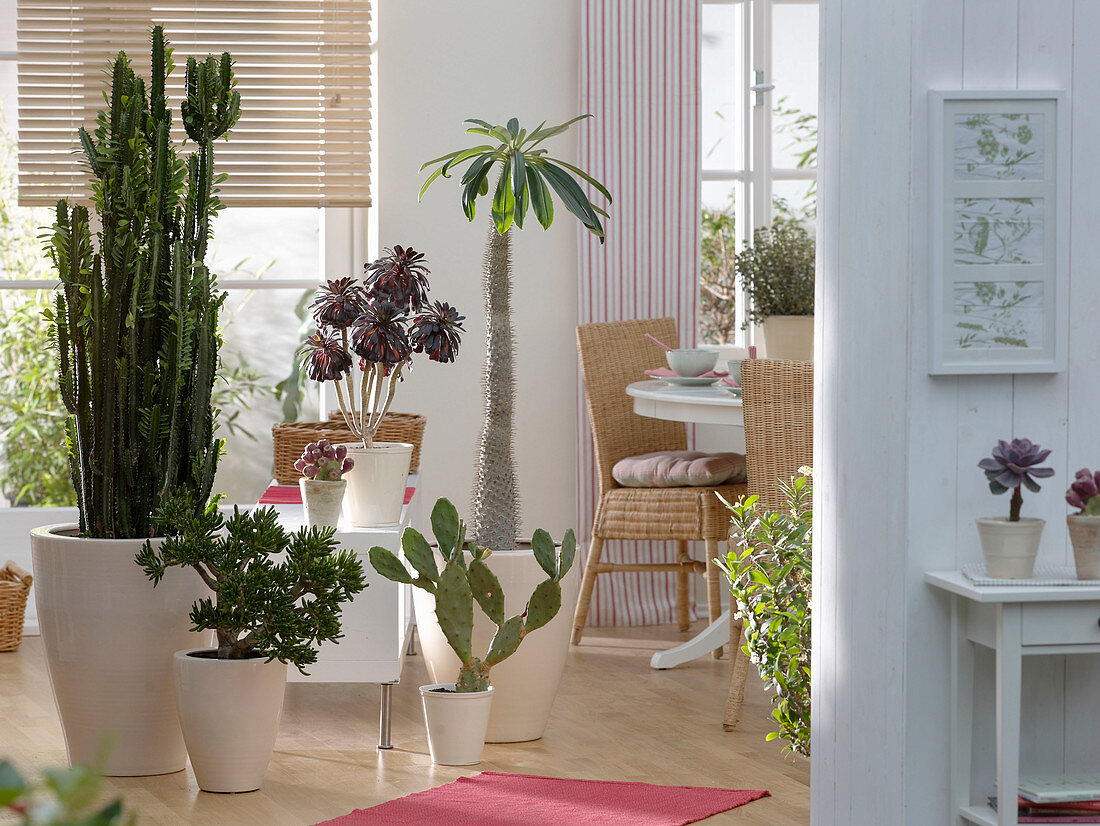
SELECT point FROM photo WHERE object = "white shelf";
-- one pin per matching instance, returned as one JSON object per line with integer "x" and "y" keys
{"x": 982, "y": 815}
{"x": 956, "y": 582}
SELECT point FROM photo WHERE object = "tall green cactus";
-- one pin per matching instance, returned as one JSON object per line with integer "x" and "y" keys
{"x": 459, "y": 584}
{"x": 136, "y": 319}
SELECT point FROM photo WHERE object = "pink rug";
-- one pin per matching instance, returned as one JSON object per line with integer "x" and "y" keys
{"x": 497, "y": 799}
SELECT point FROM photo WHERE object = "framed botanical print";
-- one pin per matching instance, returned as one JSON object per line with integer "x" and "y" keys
{"x": 999, "y": 231}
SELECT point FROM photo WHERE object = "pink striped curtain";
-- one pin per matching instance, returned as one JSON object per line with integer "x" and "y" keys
{"x": 640, "y": 78}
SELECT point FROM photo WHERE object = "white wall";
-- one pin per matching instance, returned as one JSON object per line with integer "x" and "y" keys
{"x": 898, "y": 487}
{"x": 439, "y": 63}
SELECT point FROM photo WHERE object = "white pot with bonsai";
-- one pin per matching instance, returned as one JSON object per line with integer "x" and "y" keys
{"x": 323, "y": 466}
{"x": 140, "y": 420}
{"x": 527, "y": 180}
{"x": 370, "y": 323}
{"x": 276, "y": 597}
{"x": 777, "y": 274}
{"x": 1084, "y": 526}
{"x": 1011, "y": 545}
{"x": 457, "y": 711}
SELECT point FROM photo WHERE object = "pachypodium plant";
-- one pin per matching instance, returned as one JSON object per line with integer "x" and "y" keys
{"x": 280, "y": 610}
{"x": 1084, "y": 492}
{"x": 527, "y": 176}
{"x": 461, "y": 583}
{"x": 1013, "y": 466}
{"x": 324, "y": 461}
{"x": 379, "y": 323}
{"x": 135, "y": 322}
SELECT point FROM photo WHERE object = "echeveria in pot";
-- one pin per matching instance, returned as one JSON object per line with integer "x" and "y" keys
{"x": 323, "y": 466}
{"x": 1011, "y": 545}
{"x": 1084, "y": 526}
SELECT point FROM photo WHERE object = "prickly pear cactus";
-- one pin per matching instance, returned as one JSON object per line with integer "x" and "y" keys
{"x": 463, "y": 583}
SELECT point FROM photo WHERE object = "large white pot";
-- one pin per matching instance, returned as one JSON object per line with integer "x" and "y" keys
{"x": 229, "y": 711}
{"x": 1084, "y": 534}
{"x": 456, "y": 723}
{"x": 789, "y": 337}
{"x": 376, "y": 485}
{"x": 526, "y": 683}
{"x": 1010, "y": 548}
{"x": 109, "y": 637}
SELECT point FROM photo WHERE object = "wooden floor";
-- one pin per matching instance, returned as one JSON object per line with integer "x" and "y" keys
{"x": 614, "y": 719}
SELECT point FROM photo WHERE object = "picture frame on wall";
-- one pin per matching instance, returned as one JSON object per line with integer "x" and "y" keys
{"x": 999, "y": 231}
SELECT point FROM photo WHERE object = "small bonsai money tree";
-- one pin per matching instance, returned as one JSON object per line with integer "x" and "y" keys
{"x": 460, "y": 583}
{"x": 281, "y": 610}
{"x": 1084, "y": 492}
{"x": 324, "y": 461}
{"x": 1013, "y": 466}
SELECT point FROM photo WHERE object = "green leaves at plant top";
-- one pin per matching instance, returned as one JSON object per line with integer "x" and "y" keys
{"x": 419, "y": 553}
{"x": 527, "y": 177}
{"x": 545, "y": 552}
{"x": 568, "y": 552}
{"x": 445, "y": 526}
{"x": 389, "y": 565}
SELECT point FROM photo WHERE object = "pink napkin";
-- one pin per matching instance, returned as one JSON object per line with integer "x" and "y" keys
{"x": 664, "y": 373}
{"x": 730, "y": 380}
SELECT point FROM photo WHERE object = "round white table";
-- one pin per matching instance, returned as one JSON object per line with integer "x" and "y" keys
{"x": 699, "y": 405}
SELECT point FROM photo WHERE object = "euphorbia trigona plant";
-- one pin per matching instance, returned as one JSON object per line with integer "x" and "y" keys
{"x": 1013, "y": 466}
{"x": 379, "y": 323}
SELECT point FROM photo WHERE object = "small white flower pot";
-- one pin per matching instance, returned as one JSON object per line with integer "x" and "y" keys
{"x": 456, "y": 723}
{"x": 229, "y": 712}
{"x": 1084, "y": 533}
{"x": 376, "y": 484}
{"x": 1010, "y": 548}
{"x": 323, "y": 501}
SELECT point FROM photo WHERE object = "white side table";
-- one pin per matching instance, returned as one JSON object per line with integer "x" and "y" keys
{"x": 1014, "y": 621}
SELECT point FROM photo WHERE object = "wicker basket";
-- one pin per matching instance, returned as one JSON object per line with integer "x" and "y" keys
{"x": 291, "y": 439}
{"x": 15, "y": 585}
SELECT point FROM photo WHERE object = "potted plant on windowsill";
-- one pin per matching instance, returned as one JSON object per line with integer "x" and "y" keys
{"x": 1084, "y": 526}
{"x": 265, "y": 614}
{"x": 135, "y": 326}
{"x": 777, "y": 273}
{"x": 457, "y": 713}
{"x": 380, "y": 323}
{"x": 1011, "y": 545}
{"x": 323, "y": 466}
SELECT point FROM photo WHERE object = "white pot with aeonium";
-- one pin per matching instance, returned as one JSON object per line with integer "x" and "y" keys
{"x": 379, "y": 323}
{"x": 323, "y": 466}
{"x": 1011, "y": 545}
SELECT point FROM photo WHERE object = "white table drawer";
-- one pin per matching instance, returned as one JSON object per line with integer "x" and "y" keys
{"x": 1065, "y": 623}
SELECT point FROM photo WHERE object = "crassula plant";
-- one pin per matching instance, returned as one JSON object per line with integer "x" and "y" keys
{"x": 1084, "y": 492}
{"x": 377, "y": 324}
{"x": 324, "y": 461}
{"x": 461, "y": 583}
{"x": 1013, "y": 466}
{"x": 276, "y": 595}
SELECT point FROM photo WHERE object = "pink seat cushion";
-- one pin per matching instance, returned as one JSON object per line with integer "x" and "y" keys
{"x": 680, "y": 468}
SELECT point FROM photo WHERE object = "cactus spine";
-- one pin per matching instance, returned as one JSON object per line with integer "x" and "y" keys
{"x": 460, "y": 584}
{"x": 135, "y": 321}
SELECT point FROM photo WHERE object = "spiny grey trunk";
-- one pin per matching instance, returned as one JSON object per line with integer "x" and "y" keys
{"x": 494, "y": 519}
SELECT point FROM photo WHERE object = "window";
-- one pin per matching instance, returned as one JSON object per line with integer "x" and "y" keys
{"x": 759, "y": 139}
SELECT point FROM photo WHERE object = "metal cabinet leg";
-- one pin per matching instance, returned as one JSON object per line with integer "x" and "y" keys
{"x": 384, "y": 717}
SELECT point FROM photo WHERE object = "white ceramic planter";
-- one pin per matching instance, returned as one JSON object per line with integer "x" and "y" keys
{"x": 789, "y": 337}
{"x": 526, "y": 683}
{"x": 109, "y": 636}
{"x": 229, "y": 711}
{"x": 1010, "y": 548}
{"x": 456, "y": 723}
{"x": 376, "y": 485}
{"x": 323, "y": 501}
{"x": 1084, "y": 533}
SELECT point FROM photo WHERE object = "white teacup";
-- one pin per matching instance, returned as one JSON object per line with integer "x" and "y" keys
{"x": 691, "y": 361}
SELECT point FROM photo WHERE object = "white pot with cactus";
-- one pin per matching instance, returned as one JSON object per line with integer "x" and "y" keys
{"x": 1084, "y": 526}
{"x": 457, "y": 724}
{"x": 1011, "y": 544}
{"x": 380, "y": 324}
{"x": 323, "y": 466}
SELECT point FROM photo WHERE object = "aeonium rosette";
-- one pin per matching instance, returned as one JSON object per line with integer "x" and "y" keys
{"x": 324, "y": 461}
{"x": 379, "y": 324}
{"x": 1013, "y": 466}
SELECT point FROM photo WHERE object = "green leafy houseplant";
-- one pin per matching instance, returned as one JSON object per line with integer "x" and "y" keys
{"x": 527, "y": 177}
{"x": 136, "y": 318}
{"x": 279, "y": 610}
{"x": 460, "y": 583}
{"x": 777, "y": 273}
{"x": 64, "y": 797}
{"x": 770, "y": 579}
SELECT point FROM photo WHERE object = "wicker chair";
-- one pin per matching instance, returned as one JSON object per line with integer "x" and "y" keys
{"x": 612, "y": 355}
{"x": 779, "y": 418}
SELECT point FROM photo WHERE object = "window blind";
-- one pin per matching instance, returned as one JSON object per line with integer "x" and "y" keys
{"x": 303, "y": 71}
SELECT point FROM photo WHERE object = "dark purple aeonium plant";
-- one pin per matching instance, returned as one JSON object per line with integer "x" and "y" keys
{"x": 1013, "y": 466}
{"x": 1084, "y": 492}
{"x": 324, "y": 461}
